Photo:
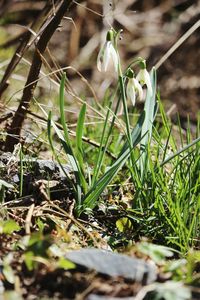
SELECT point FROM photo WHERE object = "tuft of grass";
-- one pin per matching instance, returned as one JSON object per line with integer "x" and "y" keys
{"x": 87, "y": 195}
{"x": 168, "y": 196}
{"x": 165, "y": 177}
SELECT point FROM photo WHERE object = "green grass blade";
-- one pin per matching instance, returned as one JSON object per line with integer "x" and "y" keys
{"x": 91, "y": 198}
{"x": 62, "y": 111}
{"x": 134, "y": 133}
{"x": 167, "y": 144}
{"x": 166, "y": 125}
{"x": 102, "y": 148}
{"x": 79, "y": 136}
{"x": 180, "y": 151}
{"x": 67, "y": 148}
{"x": 78, "y": 172}
{"x": 49, "y": 125}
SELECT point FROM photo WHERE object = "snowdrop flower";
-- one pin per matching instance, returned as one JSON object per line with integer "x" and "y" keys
{"x": 143, "y": 77}
{"x": 133, "y": 88}
{"x": 107, "y": 55}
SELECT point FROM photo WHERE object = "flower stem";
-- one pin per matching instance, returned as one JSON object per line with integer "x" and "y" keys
{"x": 127, "y": 121}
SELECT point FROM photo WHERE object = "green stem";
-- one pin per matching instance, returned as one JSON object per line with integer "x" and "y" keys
{"x": 102, "y": 149}
{"x": 127, "y": 122}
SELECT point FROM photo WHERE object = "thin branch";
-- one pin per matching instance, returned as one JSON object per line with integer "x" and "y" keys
{"x": 50, "y": 27}
{"x": 180, "y": 41}
{"x": 23, "y": 46}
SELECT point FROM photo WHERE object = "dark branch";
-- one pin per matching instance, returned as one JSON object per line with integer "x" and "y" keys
{"x": 50, "y": 27}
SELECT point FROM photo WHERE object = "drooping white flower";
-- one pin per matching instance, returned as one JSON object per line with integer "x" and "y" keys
{"x": 144, "y": 78}
{"x": 133, "y": 90}
{"x": 107, "y": 55}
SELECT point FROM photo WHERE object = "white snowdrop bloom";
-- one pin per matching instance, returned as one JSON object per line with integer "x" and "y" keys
{"x": 134, "y": 89}
{"x": 144, "y": 78}
{"x": 107, "y": 58}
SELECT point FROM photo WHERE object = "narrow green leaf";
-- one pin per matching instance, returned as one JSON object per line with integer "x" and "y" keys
{"x": 102, "y": 148}
{"x": 180, "y": 151}
{"x": 93, "y": 195}
{"x": 79, "y": 136}
{"x": 78, "y": 172}
{"x": 135, "y": 132}
{"x": 4, "y": 183}
{"x": 62, "y": 108}
{"x": 52, "y": 147}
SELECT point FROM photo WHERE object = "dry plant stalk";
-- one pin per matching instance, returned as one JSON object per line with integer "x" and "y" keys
{"x": 23, "y": 46}
{"x": 49, "y": 27}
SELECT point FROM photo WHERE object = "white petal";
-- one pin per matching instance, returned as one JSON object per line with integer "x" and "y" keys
{"x": 106, "y": 57}
{"x": 114, "y": 57}
{"x": 141, "y": 77}
{"x": 144, "y": 78}
{"x": 138, "y": 88}
{"x": 130, "y": 91}
{"x": 148, "y": 81}
{"x": 103, "y": 57}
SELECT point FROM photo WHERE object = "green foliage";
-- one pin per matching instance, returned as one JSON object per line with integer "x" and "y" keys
{"x": 193, "y": 259}
{"x": 166, "y": 182}
{"x": 40, "y": 248}
{"x": 156, "y": 252}
{"x": 8, "y": 226}
{"x": 65, "y": 264}
{"x": 123, "y": 224}
{"x": 150, "y": 109}
{"x": 79, "y": 143}
{"x": 171, "y": 290}
{"x": 4, "y": 184}
{"x": 87, "y": 196}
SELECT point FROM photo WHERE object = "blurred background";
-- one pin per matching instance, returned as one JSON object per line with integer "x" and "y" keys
{"x": 150, "y": 29}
